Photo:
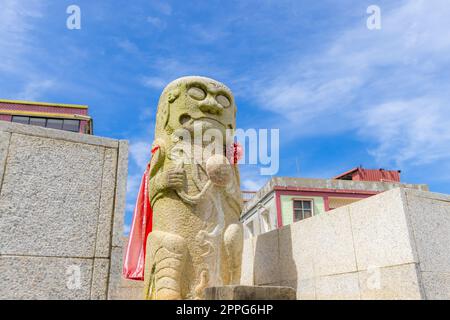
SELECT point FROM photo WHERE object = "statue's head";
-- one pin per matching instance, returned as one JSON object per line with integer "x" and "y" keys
{"x": 191, "y": 100}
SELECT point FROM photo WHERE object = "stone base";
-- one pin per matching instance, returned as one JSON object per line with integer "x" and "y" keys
{"x": 250, "y": 293}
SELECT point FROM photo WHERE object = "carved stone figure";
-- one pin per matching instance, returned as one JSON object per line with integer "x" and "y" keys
{"x": 194, "y": 191}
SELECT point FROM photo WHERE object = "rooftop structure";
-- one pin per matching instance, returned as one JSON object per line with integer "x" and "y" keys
{"x": 68, "y": 117}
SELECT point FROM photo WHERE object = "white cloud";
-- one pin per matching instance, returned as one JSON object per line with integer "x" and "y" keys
{"x": 18, "y": 20}
{"x": 416, "y": 130}
{"x": 156, "y": 22}
{"x": 390, "y": 86}
{"x": 34, "y": 89}
{"x": 162, "y": 7}
{"x": 154, "y": 82}
{"x": 140, "y": 152}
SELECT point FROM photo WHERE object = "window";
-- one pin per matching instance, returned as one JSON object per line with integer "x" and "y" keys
{"x": 302, "y": 209}
{"x": 23, "y": 120}
{"x": 55, "y": 123}
{"x": 71, "y": 125}
{"x": 38, "y": 122}
{"x": 61, "y": 124}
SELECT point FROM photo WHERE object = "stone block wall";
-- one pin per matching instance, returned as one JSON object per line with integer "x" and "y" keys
{"x": 62, "y": 198}
{"x": 395, "y": 245}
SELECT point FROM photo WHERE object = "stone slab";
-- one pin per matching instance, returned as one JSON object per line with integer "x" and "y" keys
{"x": 338, "y": 287}
{"x": 115, "y": 274}
{"x": 121, "y": 193}
{"x": 4, "y": 144}
{"x": 390, "y": 283}
{"x": 99, "y": 285}
{"x": 44, "y": 278}
{"x": 247, "y": 263}
{"x": 105, "y": 217}
{"x": 381, "y": 231}
{"x": 332, "y": 243}
{"x": 429, "y": 215}
{"x": 266, "y": 267}
{"x": 297, "y": 251}
{"x": 50, "y": 198}
{"x": 436, "y": 285}
{"x": 250, "y": 293}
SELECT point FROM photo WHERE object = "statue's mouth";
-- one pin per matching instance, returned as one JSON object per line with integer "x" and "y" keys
{"x": 188, "y": 121}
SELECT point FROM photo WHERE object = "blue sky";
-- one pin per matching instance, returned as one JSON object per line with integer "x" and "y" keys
{"x": 341, "y": 95}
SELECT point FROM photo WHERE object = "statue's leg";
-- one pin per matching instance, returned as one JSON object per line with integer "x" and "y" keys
{"x": 233, "y": 242}
{"x": 165, "y": 260}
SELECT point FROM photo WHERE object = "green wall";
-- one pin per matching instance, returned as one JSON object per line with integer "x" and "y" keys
{"x": 287, "y": 211}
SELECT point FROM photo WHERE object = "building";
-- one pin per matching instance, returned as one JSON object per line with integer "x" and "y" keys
{"x": 68, "y": 117}
{"x": 283, "y": 201}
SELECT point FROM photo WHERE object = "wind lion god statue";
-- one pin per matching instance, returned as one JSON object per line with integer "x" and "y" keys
{"x": 186, "y": 233}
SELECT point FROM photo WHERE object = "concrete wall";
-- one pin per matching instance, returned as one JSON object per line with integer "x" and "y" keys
{"x": 395, "y": 245}
{"x": 62, "y": 198}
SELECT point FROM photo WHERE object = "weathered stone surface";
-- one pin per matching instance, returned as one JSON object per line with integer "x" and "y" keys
{"x": 380, "y": 230}
{"x": 121, "y": 192}
{"x": 436, "y": 285}
{"x": 250, "y": 293}
{"x": 247, "y": 264}
{"x": 4, "y": 144}
{"x": 332, "y": 242}
{"x": 266, "y": 268}
{"x": 100, "y": 279}
{"x": 120, "y": 288}
{"x": 115, "y": 274}
{"x": 57, "y": 202}
{"x": 297, "y": 251}
{"x": 44, "y": 278}
{"x": 429, "y": 215}
{"x": 338, "y": 287}
{"x": 306, "y": 289}
{"x": 50, "y": 196}
{"x": 128, "y": 290}
{"x": 105, "y": 217}
{"x": 389, "y": 283}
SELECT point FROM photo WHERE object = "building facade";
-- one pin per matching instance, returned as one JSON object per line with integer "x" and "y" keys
{"x": 283, "y": 201}
{"x": 67, "y": 117}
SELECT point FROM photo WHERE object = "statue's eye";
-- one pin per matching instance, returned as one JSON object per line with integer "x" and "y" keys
{"x": 197, "y": 93}
{"x": 224, "y": 101}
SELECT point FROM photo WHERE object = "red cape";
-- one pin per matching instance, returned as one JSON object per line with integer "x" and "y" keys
{"x": 134, "y": 258}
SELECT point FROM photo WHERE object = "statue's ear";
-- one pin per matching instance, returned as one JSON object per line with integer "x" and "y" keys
{"x": 173, "y": 95}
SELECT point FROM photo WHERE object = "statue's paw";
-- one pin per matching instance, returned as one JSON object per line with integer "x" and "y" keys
{"x": 175, "y": 178}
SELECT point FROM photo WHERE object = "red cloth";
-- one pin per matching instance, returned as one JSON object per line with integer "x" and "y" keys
{"x": 134, "y": 259}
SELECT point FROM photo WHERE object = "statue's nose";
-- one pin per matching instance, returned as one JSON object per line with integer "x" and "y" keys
{"x": 210, "y": 105}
